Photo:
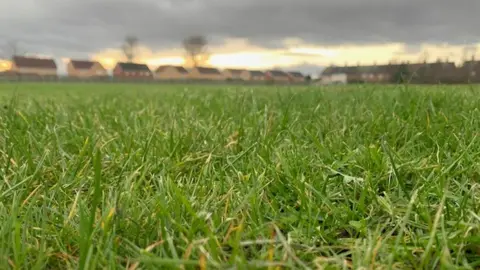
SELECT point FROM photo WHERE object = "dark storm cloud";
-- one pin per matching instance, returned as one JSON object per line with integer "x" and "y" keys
{"x": 82, "y": 26}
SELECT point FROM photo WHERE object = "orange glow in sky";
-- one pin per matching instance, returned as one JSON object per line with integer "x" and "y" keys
{"x": 239, "y": 53}
{"x": 254, "y": 60}
{"x": 175, "y": 61}
{"x": 4, "y": 65}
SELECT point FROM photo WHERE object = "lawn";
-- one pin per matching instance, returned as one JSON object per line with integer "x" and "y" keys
{"x": 216, "y": 177}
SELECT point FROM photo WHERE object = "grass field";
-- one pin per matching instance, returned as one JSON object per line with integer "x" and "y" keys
{"x": 212, "y": 177}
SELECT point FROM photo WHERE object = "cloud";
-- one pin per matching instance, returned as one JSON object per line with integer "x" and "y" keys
{"x": 260, "y": 31}
{"x": 83, "y": 26}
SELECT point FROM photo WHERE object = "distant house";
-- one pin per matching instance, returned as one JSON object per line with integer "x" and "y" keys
{"x": 171, "y": 73}
{"x": 441, "y": 72}
{"x": 277, "y": 76}
{"x": 206, "y": 73}
{"x": 132, "y": 71}
{"x": 438, "y": 72}
{"x": 85, "y": 69}
{"x": 296, "y": 77}
{"x": 237, "y": 74}
{"x": 471, "y": 69}
{"x": 356, "y": 74}
{"x": 386, "y": 73}
{"x": 256, "y": 75}
{"x": 333, "y": 75}
{"x": 35, "y": 67}
{"x": 370, "y": 74}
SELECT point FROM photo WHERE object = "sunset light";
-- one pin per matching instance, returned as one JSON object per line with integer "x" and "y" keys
{"x": 175, "y": 60}
{"x": 255, "y": 60}
{"x": 4, "y": 65}
{"x": 314, "y": 51}
{"x": 244, "y": 55}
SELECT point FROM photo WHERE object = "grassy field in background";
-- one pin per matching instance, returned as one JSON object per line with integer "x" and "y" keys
{"x": 217, "y": 177}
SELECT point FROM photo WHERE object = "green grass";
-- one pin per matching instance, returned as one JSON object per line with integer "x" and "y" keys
{"x": 212, "y": 177}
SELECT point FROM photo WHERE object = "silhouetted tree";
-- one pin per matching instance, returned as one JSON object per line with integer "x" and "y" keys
{"x": 11, "y": 49}
{"x": 196, "y": 50}
{"x": 129, "y": 48}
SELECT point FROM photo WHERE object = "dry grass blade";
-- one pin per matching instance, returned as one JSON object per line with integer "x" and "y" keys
{"x": 147, "y": 249}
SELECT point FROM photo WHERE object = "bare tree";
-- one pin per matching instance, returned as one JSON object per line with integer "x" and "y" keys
{"x": 196, "y": 50}
{"x": 11, "y": 49}
{"x": 424, "y": 56}
{"x": 469, "y": 52}
{"x": 129, "y": 47}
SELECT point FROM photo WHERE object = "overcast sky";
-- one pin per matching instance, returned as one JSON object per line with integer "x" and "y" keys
{"x": 80, "y": 28}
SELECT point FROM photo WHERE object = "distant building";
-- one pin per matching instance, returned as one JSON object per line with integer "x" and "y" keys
{"x": 132, "y": 71}
{"x": 471, "y": 71}
{"x": 277, "y": 76}
{"x": 86, "y": 69}
{"x": 206, "y": 73}
{"x": 296, "y": 77}
{"x": 438, "y": 72}
{"x": 333, "y": 76}
{"x": 355, "y": 74}
{"x": 34, "y": 67}
{"x": 237, "y": 74}
{"x": 169, "y": 72}
{"x": 256, "y": 75}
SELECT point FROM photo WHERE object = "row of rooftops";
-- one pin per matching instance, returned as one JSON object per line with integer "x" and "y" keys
{"x": 44, "y": 63}
{"x": 208, "y": 70}
{"x": 393, "y": 67}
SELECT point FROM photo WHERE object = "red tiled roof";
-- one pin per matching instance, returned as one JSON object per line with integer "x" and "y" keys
{"x": 30, "y": 62}
{"x": 81, "y": 64}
